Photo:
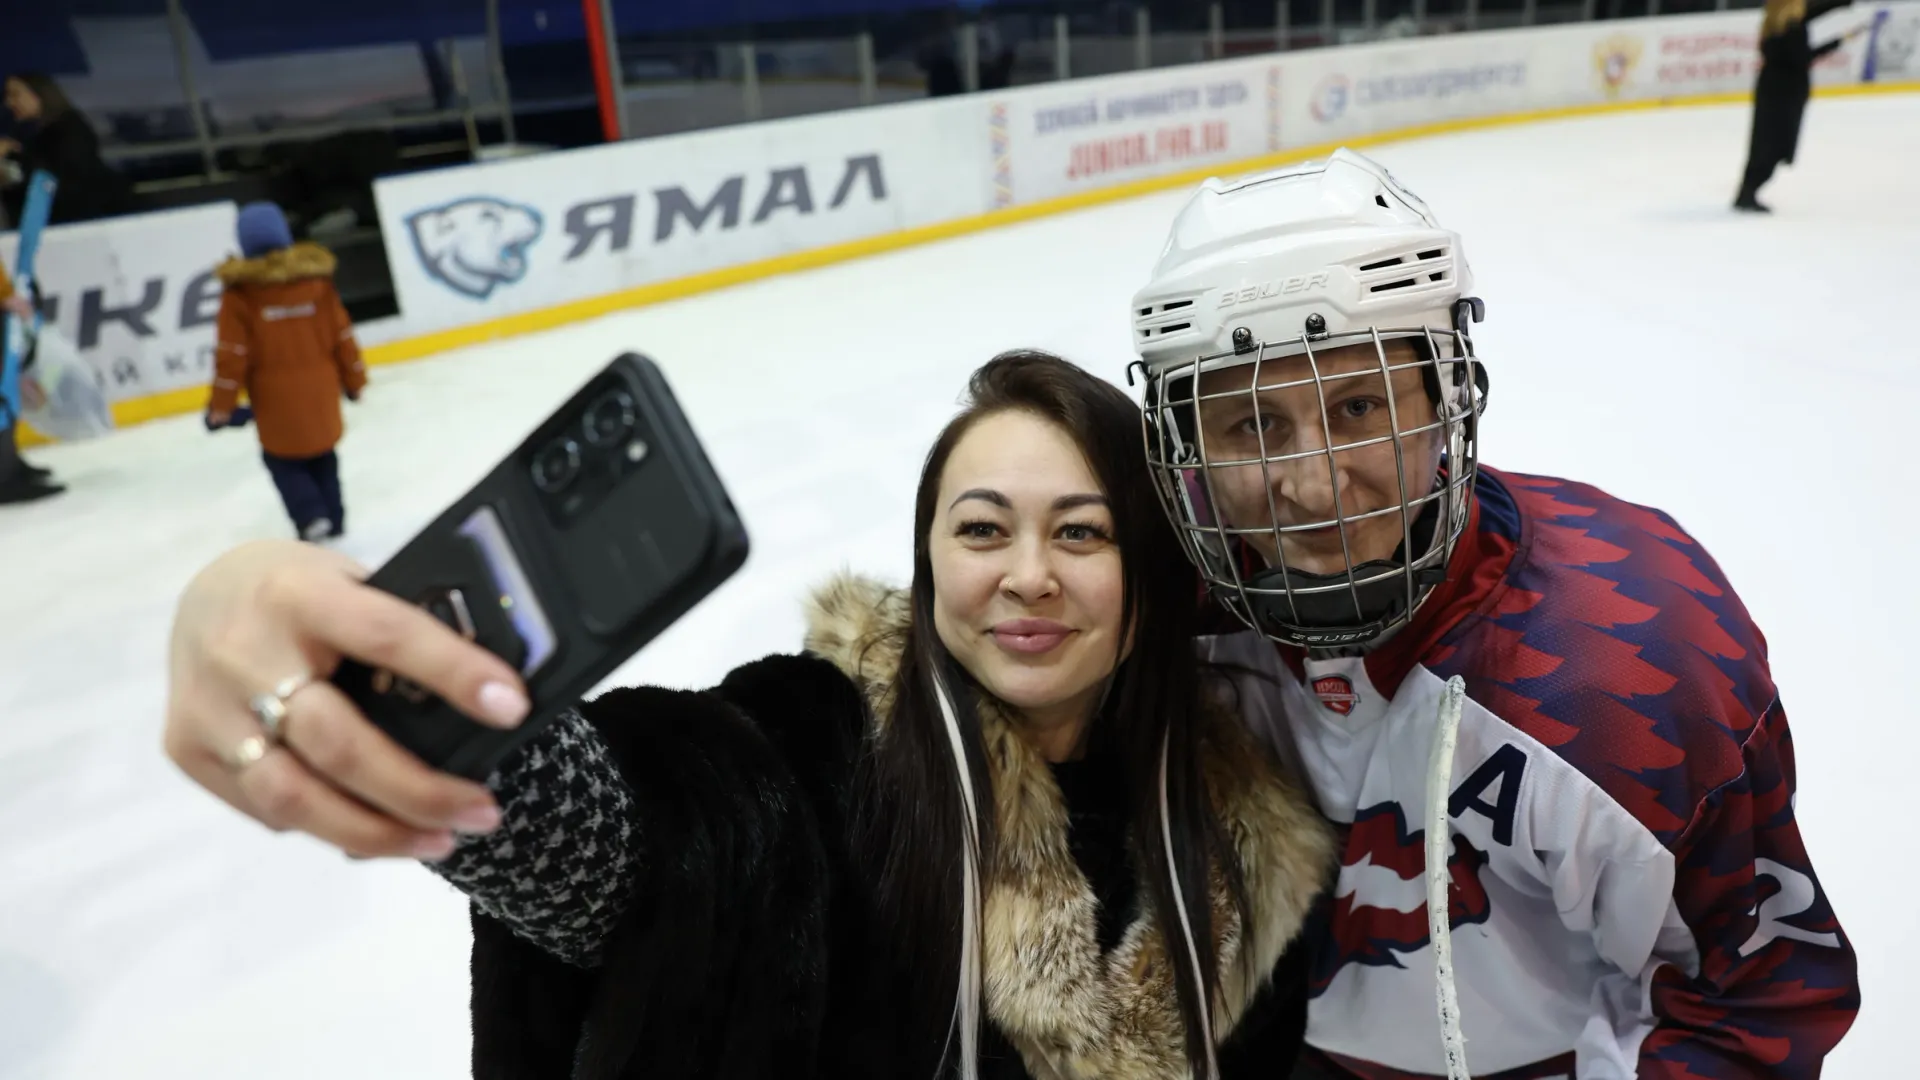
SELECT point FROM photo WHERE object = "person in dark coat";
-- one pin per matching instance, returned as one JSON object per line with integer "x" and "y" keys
{"x": 57, "y": 138}
{"x": 1780, "y": 93}
{"x": 999, "y": 823}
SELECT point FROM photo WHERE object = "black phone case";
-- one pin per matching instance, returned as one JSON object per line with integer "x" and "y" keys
{"x": 609, "y": 578}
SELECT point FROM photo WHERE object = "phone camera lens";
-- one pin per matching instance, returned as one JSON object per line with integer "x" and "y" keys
{"x": 609, "y": 419}
{"x": 555, "y": 466}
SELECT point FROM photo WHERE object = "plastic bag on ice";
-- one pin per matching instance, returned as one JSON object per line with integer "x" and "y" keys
{"x": 60, "y": 395}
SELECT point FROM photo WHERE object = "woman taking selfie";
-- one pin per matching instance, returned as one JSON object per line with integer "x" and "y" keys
{"x": 998, "y": 824}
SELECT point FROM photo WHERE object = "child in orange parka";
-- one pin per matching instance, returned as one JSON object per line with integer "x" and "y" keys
{"x": 286, "y": 340}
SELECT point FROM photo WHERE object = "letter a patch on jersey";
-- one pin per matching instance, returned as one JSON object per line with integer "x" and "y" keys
{"x": 1336, "y": 693}
{"x": 1503, "y": 770}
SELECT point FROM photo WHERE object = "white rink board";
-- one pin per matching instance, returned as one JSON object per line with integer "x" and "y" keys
{"x": 1092, "y": 133}
{"x": 479, "y": 242}
{"x": 137, "y": 295}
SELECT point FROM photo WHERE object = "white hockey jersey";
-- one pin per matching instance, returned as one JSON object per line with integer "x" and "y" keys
{"x": 1630, "y": 894}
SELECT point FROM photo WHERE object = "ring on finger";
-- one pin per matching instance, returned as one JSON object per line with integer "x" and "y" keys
{"x": 270, "y": 708}
{"x": 248, "y": 751}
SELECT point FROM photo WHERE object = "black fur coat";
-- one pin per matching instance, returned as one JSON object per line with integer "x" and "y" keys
{"x": 749, "y": 952}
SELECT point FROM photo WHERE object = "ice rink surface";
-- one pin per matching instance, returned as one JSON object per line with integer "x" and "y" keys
{"x": 1745, "y": 374}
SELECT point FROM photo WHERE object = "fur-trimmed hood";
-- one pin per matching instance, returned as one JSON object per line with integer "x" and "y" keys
{"x": 1082, "y": 1014}
{"x": 302, "y": 260}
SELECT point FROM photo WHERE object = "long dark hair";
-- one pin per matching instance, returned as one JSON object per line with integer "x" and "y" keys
{"x": 914, "y": 816}
{"x": 53, "y": 100}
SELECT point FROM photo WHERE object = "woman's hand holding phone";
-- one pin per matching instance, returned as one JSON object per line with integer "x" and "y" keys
{"x": 275, "y": 610}
{"x": 590, "y": 538}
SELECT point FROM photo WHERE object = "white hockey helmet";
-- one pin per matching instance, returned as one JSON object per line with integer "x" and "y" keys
{"x": 1293, "y": 263}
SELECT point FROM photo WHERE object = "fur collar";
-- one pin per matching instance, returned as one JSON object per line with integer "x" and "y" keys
{"x": 302, "y": 260}
{"x": 1073, "y": 1013}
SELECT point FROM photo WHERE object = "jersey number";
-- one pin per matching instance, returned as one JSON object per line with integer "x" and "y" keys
{"x": 1796, "y": 895}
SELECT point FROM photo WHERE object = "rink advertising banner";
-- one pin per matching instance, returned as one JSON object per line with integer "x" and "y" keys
{"x": 1094, "y": 133}
{"x": 468, "y": 244}
{"x": 1351, "y": 92}
{"x": 136, "y": 295}
{"x": 1692, "y": 55}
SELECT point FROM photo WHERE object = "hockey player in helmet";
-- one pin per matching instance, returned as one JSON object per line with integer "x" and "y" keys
{"x": 1630, "y": 895}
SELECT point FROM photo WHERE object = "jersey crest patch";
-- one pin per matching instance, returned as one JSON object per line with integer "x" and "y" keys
{"x": 1336, "y": 693}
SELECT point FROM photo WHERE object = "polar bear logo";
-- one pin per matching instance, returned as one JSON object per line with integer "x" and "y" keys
{"x": 475, "y": 245}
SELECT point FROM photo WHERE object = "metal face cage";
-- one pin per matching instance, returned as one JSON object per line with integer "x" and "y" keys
{"x": 1367, "y": 599}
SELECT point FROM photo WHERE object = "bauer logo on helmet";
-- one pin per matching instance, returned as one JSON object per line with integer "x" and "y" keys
{"x": 1280, "y": 287}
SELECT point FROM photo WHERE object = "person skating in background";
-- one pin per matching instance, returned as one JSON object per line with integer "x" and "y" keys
{"x": 285, "y": 338}
{"x": 1780, "y": 93}
{"x": 19, "y": 481}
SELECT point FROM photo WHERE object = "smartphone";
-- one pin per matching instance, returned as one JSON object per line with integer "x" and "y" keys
{"x": 603, "y": 528}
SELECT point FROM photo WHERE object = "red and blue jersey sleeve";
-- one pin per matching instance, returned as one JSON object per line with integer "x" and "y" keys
{"x": 1777, "y": 984}
{"x": 1617, "y": 642}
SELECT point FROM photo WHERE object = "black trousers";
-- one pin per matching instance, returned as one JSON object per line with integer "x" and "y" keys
{"x": 9, "y": 448}
{"x": 310, "y": 488}
{"x": 1777, "y": 114}
{"x": 1759, "y": 171}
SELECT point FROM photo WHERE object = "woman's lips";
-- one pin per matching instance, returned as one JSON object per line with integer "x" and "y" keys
{"x": 1031, "y": 636}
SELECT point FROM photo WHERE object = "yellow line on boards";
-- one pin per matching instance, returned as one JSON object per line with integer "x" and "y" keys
{"x": 175, "y": 402}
